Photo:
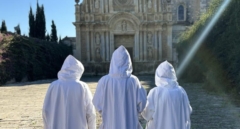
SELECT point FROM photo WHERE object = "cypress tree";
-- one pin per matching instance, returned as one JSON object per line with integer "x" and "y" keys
{"x": 47, "y": 37}
{"x": 60, "y": 40}
{"x": 43, "y": 23}
{"x": 3, "y": 27}
{"x": 19, "y": 30}
{"x": 38, "y": 22}
{"x": 54, "y": 37}
{"x": 31, "y": 24}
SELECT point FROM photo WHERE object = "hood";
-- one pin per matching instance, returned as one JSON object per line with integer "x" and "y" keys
{"x": 165, "y": 75}
{"x": 72, "y": 69}
{"x": 121, "y": 65}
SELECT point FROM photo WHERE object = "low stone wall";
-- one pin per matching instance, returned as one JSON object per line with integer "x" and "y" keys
{"x": 139, "y": 68}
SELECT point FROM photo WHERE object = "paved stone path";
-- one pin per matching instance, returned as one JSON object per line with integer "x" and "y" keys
{"x": 21, "y": 104}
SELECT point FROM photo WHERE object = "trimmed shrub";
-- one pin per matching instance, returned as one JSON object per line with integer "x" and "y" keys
{"x": 35, "y": 59}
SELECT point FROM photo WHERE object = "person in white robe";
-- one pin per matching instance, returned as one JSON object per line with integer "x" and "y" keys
{"x": 119, "y": 96}
{"x": 167, "y": 105}
{"x": 68, "y": 101}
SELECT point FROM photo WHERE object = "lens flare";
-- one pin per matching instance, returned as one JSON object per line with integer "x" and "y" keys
{"x": 202, "y": 36}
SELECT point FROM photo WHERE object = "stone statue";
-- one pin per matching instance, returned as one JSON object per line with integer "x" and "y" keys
{"x": 97, "y": 52}
{"x": 149, "y": 38}
{"x": 149, "y": 3}
{"x": 150, "y": 55}
{"x": 124, "y": 25}
{"x": 96, "y": 3}
{"x": 97, "y": 39}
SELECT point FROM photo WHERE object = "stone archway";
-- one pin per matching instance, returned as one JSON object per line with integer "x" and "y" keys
{"x": 124, "y": 30}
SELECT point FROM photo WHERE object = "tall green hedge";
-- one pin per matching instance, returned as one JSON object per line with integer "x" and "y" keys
{"x": 217, "y": 62}
{"x": 35, "y": 59}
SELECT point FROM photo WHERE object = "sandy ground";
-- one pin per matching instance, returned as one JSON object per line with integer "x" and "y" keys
{"x": 21, "y": 105}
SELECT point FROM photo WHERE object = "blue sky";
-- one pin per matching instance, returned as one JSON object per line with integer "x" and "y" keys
{"x": 16, "y": 12}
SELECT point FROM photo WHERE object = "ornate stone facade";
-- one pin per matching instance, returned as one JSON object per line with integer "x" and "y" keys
{"x": 149, "y": 29}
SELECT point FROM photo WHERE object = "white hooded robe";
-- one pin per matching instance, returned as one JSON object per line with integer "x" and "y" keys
{"x": 167, "y": 105}
{"x": 119, "y": 97}
{"x": 68, "y": 102}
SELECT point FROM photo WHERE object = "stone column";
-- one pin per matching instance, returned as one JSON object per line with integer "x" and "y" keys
{"x": 77, "y": 52}
{"x": 102, "y": 5}
{"x": 88, "y": 45}
{"x": 110, "y": 6}
{"x": 155, "y": 5}
{"x": 144, "y": 6}
{"x": 141, "y": 45}
{"x": 91, "y": 5}
{"x": 136, "y": 47}
{"x": 140, "y": 6}
{"x": 107, "y": 6}
{"x": 159, "y": 45}
{"x": 92, "y": 45}
{"x": 103, "y": 45}
{"x": 107, "y": 47}
{"x": 145, "y": 44}
{"x": 170, "y": 42}
{"x": 155, "y": 45}
{"x": 160, "y": 5}
{"x": 77, "y": 12}
{"x": 111, "y": 44}
{"x": 136, "y": 5}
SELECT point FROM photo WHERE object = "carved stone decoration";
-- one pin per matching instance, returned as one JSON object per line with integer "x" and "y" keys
{"x": 150, "y": 53}
{"x": 97, "y": 2}
{"x": 97, "y": 53}
{"x": 124, "y": 25}
{"x": 97, "y": 38}
{"x": 149, "y": 3}
{"x": 77, "y": 1}
{"x": 169, "y": 1}
{"x": 122, "y": 2}
{"x": 149, "y": 38}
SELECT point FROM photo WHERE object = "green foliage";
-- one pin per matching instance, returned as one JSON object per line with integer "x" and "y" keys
{"x": 18, "y": 30}
{"x": 54, "y": 37}
{"x": 30, "y": 57}
{"x": 47, "y": 37}
{"x": 31, "y": 24}
{"x": 217, "y": 60}
{"x": 3, "y": 27}
{"x": 37, "y": 24}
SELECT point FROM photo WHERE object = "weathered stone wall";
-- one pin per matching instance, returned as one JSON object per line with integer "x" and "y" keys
{"x": 149, "y": 29}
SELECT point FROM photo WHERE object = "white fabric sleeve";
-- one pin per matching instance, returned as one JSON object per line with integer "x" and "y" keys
{"x": 141, "y": 97}
{"x": 150, "y": 108}
{"x": 188, "y": 109}
{"x": 47, "y": 102}
{"x": 90, "y": 111}
{"x": 98, "y": 96}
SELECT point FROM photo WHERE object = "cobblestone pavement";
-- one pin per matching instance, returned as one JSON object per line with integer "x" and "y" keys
{"x": 21, "y": 105}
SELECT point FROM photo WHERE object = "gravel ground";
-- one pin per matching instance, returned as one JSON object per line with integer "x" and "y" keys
{"x": 21, "y": 105}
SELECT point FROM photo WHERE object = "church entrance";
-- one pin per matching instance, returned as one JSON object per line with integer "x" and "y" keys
{"x": 127, "y": 41}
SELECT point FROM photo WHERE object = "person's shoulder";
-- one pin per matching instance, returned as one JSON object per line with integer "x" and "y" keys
{"x": 133, "y": 77}
{"x": 103, "y": 78}
{"x": 81, "y": 83}
{"x": 182, "y": 89}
